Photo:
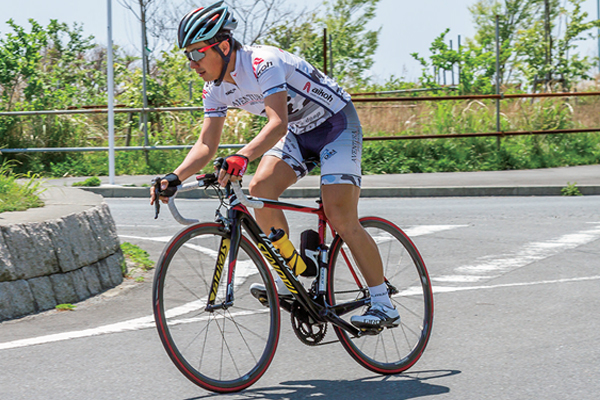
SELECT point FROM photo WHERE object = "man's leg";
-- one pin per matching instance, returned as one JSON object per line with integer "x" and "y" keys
{"x": 341, "y": 207}
{"x": 272, "y": 177}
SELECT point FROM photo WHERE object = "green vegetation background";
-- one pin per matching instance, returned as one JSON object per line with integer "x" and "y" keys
{"x": 56, "y": 67}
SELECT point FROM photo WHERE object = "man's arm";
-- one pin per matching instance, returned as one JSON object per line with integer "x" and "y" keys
{"x": 201, "y": 153}
{"x": 275, "y": 129}
{"x": 204, "y": 150}
{"x": 269, "y": 135}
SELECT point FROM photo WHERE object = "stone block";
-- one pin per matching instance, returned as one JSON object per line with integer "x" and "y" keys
{"x": 92, "y": 278}
{"x": 5, "y": 305}
{"x": 7, "y": 270}
{"x": 80, "y": 285}
{"x": 31, "y": 249}
{"x": 75, "y": 244}
{"x": 16, "y": 300}
{"x": 114, "y": 268}
{"x": 104, "y": 274}
{"x": 103, "y": 229}
{"x": 62, "y": 284}
{"x": 43, "y": 293}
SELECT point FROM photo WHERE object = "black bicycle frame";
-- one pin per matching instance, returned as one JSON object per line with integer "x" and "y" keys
{"x": 318, "y": 308}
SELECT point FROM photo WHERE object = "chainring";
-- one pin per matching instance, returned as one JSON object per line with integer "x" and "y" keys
{"x": 310, "y": 332}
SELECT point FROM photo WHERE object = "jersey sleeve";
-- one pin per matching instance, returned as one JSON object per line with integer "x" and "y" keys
{"x": 212, "y": 106}
{"x": 269, "y": 71}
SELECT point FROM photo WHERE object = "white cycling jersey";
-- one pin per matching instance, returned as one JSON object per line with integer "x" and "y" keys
{"x": 264, "y": 70}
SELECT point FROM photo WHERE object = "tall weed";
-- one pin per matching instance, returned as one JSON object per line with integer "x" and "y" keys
{"x": 398, "y": 156}
{"x": 18, "y": 196}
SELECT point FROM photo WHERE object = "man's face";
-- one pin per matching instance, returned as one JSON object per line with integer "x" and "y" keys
{"x": 209, "y": 67}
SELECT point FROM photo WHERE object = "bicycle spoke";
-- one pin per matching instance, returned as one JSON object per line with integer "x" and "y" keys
{"x": 384, "y": 352}
{"x": 225, "y": 348}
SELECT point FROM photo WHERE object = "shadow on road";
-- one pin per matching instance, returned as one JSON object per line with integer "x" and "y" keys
{"x": 398, "y": 387}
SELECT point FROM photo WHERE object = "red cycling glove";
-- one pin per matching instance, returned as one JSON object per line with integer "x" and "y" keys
{"x": 235, "y": 165}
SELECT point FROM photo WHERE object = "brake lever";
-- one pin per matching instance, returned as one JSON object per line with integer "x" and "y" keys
{"x": 156, "y": 184}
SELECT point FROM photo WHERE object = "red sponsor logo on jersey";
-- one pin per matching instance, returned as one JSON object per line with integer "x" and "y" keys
{"x": 204, "y": 93}
{"x": 307, "y": 87}
{"x": 257, "y": 61}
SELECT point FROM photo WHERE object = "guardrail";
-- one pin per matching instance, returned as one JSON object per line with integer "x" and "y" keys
{"x": 499, "y": 134}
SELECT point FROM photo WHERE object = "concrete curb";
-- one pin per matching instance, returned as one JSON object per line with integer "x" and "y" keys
{"x": 306, "y": 192}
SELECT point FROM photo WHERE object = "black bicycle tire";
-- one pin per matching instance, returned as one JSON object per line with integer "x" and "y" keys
{"x": 171, "y": 348}
{"x": 344, "y": 337}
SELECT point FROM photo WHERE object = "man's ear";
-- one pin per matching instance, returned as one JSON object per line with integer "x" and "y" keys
{"x": 225, "y": 47}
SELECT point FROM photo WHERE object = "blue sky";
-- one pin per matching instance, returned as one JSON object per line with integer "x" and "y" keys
{"x": 406, "y": 26}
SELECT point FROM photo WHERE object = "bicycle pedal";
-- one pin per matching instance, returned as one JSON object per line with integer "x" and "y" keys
{"x": 260, "y": 295}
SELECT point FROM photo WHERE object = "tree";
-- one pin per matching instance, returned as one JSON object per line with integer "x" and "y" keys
{"x": 353, "y": 46}
{"x": 533, "y": 49}
{"x": 257, "y": 17}
{"x": 514, "y": 16}
{"x": 46, "y": 67}
{"x": 549, "y": 59}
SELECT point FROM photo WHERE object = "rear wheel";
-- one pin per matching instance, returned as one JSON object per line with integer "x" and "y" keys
{"x": 222, "y": 349}
{"x": 396, "y": 349}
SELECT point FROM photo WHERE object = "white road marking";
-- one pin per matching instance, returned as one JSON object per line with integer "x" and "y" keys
{"x": 148, "y": 322}
{"x": 162, "y": 239}
{"x": 493, "y": 266}
{"x": 528, "y": 254}
{"x": 448, "y": 289}
{"x": 244, "y": 269}
{"x": 421, "y": 230}
{"x": 131, "y": 325}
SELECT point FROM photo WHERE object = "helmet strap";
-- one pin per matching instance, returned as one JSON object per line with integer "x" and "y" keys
{"x": 225, "y": 58}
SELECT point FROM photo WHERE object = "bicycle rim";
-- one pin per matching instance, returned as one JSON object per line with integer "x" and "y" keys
{"x": 223, "y": 350}
{"x": 397, "y": 349}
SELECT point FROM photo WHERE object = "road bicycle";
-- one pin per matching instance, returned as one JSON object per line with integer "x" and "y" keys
{"x": 223, "y": 339}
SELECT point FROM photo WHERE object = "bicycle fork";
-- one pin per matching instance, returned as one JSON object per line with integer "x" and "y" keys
{"x": 228, "y": 246}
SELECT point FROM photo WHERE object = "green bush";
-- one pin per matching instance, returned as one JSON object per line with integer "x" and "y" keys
{"x": 89, "y": 182}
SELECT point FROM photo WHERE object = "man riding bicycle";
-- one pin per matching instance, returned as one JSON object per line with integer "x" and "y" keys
{"x": 311, "y": 121}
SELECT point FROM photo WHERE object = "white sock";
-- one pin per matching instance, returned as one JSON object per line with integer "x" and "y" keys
{"x": 379, "y": 294}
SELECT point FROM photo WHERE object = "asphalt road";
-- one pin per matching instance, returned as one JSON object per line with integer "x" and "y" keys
{"x": 516, "y": 283}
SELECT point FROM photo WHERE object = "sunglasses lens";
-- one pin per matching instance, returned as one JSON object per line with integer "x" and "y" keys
{"x": 194, "y": 55}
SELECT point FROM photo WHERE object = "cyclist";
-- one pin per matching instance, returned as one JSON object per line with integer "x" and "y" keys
{"x": 311, "y": 120}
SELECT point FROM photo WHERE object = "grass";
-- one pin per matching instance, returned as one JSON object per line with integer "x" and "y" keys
{"x": 15, "y": 196}
{"x": 65, "y": 307}
{"x": 93, "y": 181}
{"x": 384, "y": 119}
{"x": 136, "y": 260}
{"x": 571, "y": 190}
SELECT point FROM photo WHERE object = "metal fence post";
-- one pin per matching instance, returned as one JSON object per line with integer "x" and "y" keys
{"x": 498, "y": 79}
{"x": 330, "y": 56}
{"x": 459, "y": 59}
{"x": 325, "y": 51}
{"x": 110, "y": 87}
{"x": 144, "y": 93}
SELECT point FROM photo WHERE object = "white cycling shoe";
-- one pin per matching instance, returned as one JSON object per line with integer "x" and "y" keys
{"x": 377, "y": 316}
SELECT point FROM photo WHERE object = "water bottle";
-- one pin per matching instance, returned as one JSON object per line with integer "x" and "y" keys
{"x": 282, "y": 243}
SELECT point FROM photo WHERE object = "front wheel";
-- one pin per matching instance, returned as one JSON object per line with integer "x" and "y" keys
{"x": 222, "y": 349}
{"x": 395, "y": 349}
